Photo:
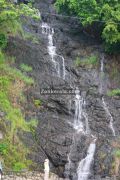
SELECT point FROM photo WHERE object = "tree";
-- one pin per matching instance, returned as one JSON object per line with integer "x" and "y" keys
{"x": 10, "y": 14}
{"x": 104, "y": 14}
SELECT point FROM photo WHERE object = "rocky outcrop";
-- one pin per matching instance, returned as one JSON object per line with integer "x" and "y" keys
{"x": 54, "y": 134}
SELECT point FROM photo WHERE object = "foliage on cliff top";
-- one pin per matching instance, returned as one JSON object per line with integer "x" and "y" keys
{"x": 10, "y": 14}
{"x": 103, "y": 14}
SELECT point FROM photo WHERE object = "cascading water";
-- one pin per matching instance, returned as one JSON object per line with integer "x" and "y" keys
{"x": 103, "y": 99}
{"x": 78, "y": 124}
{"x": 57, "y": 60}
{"x": 81, "y": 127}
{"x": 87, "y": 131}
{"x": 83, "y": 170}
{"x": 109, "y": 116}
{"x": 80, "y": 113}
{"x": 84, "y": 165}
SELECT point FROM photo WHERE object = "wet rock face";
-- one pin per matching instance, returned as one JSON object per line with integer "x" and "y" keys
{"x": 54, "y": 134}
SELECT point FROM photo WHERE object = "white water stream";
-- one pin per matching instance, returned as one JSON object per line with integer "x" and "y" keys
{"x": 78, "y": 124}
{"x": 81, "y": 125}
{"x": 80, "y": 113}
{"x": 109, "y": 116}
{"x": 106, "y": 108}
{"x": 57, "y": 60}
{"x": 83, "y": 170}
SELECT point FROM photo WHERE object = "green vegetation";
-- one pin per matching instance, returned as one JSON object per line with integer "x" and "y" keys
{"x": 15, "y": 73}
{"x": 88, "y": 62}
{"x": 114, "y": 92}
{"x": 3, "y": 41}
{"x": 117, "y": 153}
{"x": 3, "y": 148}
{"x": 10, "y": 23}
{"x": 116, "y": 162}
{"x": 12, "y": 85}
{"x": 25, "y": 67}
{"x": 37, "y": 102}
{"x": 104, "y": 16}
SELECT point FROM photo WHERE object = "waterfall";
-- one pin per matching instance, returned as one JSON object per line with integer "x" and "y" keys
{"x": 57, "y": 60}
{"x": 83, "y": 170}
{"x": 80, "y": 114}
{"x": 81, "y": 123}
{"x": 81, "y": 127}
{"x": 78, "y": 124}
{"x": 87, "y": 131}
{"x": 103, "y": 99}
{"x": 109, "y": 116}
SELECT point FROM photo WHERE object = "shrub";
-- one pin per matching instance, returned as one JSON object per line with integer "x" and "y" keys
{"x": 3, "y": 41}
{"x": 25, "y": 67}
{"x": 37, "y": 102}
{"x": 102, "y": 16}
{"x": 3, "y": 148}
{"x": 89, "y": 61}
{"x": 114, "y": 92}
{"x": 18, "y": 166}
{"x": 117, "y": 153}
{"x": 2, "y": 57}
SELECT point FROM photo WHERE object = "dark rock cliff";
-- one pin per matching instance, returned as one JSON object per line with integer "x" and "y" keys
{"x": 54, "y": 134}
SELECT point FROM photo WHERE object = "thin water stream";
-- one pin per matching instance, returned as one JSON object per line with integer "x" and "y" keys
{"x": 105, "y": 106}
{"x": 57, "y": 60}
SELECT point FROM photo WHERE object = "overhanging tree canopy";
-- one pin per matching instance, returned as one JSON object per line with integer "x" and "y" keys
{"x": 105, "y": 12}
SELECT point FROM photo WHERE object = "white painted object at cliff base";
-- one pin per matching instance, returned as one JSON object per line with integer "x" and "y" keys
{"x": 46, "y": 169}
{"x": 0, "y": 170}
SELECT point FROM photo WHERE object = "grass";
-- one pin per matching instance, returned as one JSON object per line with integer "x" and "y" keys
{"x": 114, "y": 92}
{"x": 25, "y": 67}
{"x": 37, "y": 102}
{"x": 89, "y": 61}
{"x": 117, "y": 153}
{"x": 12, "y": 85}
{"x": 116, "y": 156}
{"x": 15, "y": 73}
